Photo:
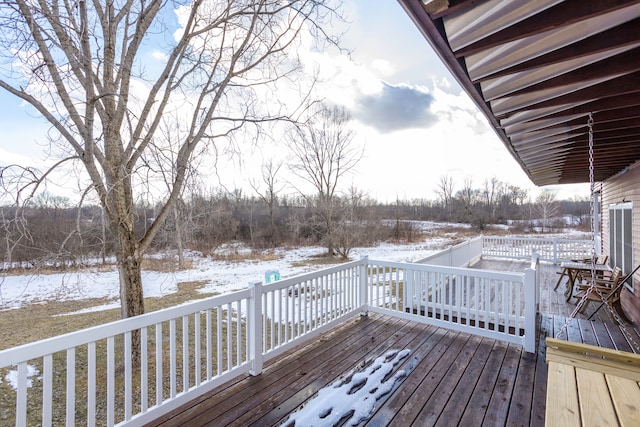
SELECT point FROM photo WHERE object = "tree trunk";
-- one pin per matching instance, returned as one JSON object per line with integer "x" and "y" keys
{"x": 129, "y": 267}
{"x": 131, "y": 295}
{"x": 330, "y": 246}
{"x": 179, "y": 243}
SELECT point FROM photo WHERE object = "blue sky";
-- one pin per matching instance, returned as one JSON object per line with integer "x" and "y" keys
{"x": 414, "y": 121}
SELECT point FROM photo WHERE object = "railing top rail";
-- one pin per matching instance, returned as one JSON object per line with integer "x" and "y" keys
{"x": 52, "y": 345}
{"x": 515, "y": 277}
{"x": 537, "y": 239}
{"x": 283, "y": 283}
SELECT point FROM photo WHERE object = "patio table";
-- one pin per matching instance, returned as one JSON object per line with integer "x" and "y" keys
{"x": 571, "y": 269}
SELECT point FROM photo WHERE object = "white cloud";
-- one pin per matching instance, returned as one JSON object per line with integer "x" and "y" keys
{"x": 160, "y": 56}
{"x": 383, "y": 67}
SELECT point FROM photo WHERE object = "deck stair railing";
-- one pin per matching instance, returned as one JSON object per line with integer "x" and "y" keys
{"x": 132, "y": 371}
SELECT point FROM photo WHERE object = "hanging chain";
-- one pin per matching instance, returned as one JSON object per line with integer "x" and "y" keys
{"x": 592, "y": 249}
{"x": 593, "y": 286}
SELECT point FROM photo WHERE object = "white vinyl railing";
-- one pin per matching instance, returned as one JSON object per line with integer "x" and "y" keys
{"x": 306, "y": 305}
{"x": 463, "y": 254}
{"x": 185, "y": 351}
{"x": 551, "y": 249}
{"x": 95, "y": 374}
{"x": 488, "y": 303}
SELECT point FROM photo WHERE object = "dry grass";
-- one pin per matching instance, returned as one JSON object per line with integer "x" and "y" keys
{"x": 39, "y": 321}
{"x": 320, "y": 261}
{"x": 241, "y": 256}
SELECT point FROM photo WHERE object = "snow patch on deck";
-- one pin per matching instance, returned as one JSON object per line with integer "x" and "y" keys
{"x": 353, "y": 398}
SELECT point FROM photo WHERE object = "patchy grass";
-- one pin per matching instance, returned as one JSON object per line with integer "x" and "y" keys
{"x": 320, "y": 260}
{"x": 46, "y": 270}
{"x": 165, "y": 264}
{"x": 35, "y": 322}
{"x": 241, "y": 256}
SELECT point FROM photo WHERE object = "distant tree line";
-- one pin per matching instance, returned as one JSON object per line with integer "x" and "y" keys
{"x": 50, "y": 231}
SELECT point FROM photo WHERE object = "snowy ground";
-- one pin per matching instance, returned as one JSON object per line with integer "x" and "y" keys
{"x": 220, "y": 276}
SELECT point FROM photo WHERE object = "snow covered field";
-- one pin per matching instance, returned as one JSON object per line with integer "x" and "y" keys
{"x": 220, "y": 276}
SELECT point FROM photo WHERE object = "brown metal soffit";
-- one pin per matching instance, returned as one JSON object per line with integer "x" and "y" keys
{"x": 537, "y": 69}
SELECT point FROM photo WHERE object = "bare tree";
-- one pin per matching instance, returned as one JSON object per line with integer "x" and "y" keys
{"x": 83, "y": 66}
{"x": 546, "y": 207}
{"x": 269, "y": 194}
{"x": 324, "y": 152}
{"x": 351, "y": 230}
{"x": 490, "y": 189}
{"x": 445, "y": 191}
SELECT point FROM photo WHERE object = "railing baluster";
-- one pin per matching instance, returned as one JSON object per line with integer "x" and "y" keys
{"x": 185, "y": 353}
{"x": 247, "y": 332}
{"x": 159, "y": 360}
{"x": 144, "y": 370}
{"x": 21, "y": 395}
{"x": 127, "y": 375}
{"x": 47, "y": 390}
{"x": 397, "y": 289}
{"x": 71, "y": 386}
{"x": 196, "y": 342}
{"x": 220, "y": 339}
{"x": 209, "y": 343}
{"x": 265, "y": 297}
{"x": 300, "y": 299}
{"x": 322, "y": 296}
{"x": 229, "y": 338}
{"x": 238, "y": 335}
{"x": 286, "y": 315}
{"x": 173, "y": 363}
{"x": 111, "y": 371}
{"x": 304, "y": 302}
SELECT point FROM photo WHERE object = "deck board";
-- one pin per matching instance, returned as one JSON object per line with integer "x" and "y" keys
{"x": 475, "y": 410}
{"x": 460, "y": 379}
{"x": 453, "y": 411}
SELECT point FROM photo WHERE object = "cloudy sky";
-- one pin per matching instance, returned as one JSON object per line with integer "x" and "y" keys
{"x": 413, "y": 120}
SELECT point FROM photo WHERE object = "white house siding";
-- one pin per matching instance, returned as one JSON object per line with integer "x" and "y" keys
{"x": 625, "y": 186}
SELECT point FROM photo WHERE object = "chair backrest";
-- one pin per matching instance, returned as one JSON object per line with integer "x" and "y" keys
{"x": 616, "y": 275}
{"x": 602, "y": 259}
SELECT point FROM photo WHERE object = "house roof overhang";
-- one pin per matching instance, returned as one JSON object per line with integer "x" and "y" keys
{"x": 538, "y": 68}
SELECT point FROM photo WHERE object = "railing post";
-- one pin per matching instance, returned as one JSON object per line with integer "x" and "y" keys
{"x": 530, "y": 310}
{"x": 555, "y": 250}
{"x": 255, "y": 328}
{"x": 364, "y": 279}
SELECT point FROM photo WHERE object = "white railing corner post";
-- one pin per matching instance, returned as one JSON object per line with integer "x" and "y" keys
{"x": 555, "y": 250}
{"x": 364, "y": 279}
{"x": 530, "y": 310}
{"x": 255, "y": 328}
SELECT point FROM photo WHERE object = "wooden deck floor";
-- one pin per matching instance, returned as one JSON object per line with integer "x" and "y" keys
{"x": 459, "y": 379}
